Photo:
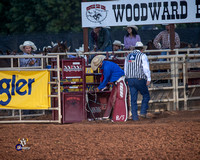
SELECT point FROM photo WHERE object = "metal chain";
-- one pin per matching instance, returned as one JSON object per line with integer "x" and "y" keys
{"x": 95, "y": 101}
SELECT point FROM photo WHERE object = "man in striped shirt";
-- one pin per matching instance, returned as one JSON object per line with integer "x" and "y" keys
{"x": 137, "y": 73}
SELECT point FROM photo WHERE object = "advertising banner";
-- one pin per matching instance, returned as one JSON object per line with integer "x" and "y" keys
{"x": 24, "y": 89}
{"x": 139, "y": 12}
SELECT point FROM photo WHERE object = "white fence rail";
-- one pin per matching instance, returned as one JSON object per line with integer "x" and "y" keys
{"x": 17, "y": 115}
{"x": 173, "y": 90}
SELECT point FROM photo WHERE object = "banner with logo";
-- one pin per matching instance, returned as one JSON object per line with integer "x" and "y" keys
{"x": 24, "y": 89}
{"x": 139, "y": 12}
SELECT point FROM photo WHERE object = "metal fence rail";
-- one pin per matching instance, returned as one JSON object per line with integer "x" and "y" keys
{"x": 177, "y": 93}
{"x": 44, "y": 60}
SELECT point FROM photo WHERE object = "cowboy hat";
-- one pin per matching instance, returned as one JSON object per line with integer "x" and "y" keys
{"x": 140, "y": 45}
{"x": 108, "y": 27}
{"x": 81, "y": 49}
{"x": 131, "y": 26}
{"x": 96, "y": 61}
{"x": 28, "y": 43}
{"x": 117, "y": 43}
{"x": 166, "y": 24}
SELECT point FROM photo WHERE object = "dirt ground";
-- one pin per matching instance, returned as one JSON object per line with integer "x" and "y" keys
{"x": 169, "y": 135}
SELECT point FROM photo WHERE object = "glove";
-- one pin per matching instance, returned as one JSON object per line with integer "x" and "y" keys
{"x": 96, "y": 89}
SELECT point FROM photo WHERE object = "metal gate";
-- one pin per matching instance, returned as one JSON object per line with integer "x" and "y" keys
{"x": 39, "y": 116}
{"x": 73, "y": 98}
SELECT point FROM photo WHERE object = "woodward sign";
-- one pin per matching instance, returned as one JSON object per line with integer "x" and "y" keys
{"x": 139, "y": 12}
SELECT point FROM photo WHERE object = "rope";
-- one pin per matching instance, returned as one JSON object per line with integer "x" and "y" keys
{"x": 95, "y": 101}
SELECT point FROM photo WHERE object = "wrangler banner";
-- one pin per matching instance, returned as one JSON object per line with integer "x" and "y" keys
{"x": 24, "y": 89}
{"x": 139, "y": 12}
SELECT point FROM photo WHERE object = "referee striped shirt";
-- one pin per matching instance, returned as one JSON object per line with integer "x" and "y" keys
{"x": 136, "y": 65}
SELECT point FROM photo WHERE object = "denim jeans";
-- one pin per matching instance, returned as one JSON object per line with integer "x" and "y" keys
{"x": 136, "y": 85}
{"x": 163, "y": 53}
{"x": 108, "y": 48}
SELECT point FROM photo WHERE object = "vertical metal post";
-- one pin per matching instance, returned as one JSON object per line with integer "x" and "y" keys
{"x": 18, "y": 61}
{"x": 176, "y": 82}
{"x": 85, "y": 38}
{"x": 20, "y": 114}
{"x": 11, "y": 63}
{"x": 47, "y": 60}
{"x": 173, "y": 82}
{"x": 42, "y": 64}
{"x": 58, "y": 81}
{"x": 184, "y": 82}
{"x": 13, "y": 112}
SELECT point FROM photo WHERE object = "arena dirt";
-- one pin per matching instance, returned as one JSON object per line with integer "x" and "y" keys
{"x": 168, "y": 135}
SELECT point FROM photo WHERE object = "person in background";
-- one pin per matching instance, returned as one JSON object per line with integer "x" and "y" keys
{"x": 162, "y": 40}
{"x": 197, "y": 46}
{"x": 117, "y": 45}
{"x": 138, "y": 76}
{"x": 131, "y": 38}
{"x": 28, "y": 47}
{"x": 100, "y": 39}
{"x": 112, "y": 73}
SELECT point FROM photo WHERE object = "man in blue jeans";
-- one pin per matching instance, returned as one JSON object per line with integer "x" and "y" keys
{"x": 137, "y": 73}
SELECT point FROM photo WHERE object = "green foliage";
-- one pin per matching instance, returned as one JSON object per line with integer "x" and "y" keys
{"x": 52, "y": 16}
{"x": 43, "y": 16}
{"x": 4, "y": 7}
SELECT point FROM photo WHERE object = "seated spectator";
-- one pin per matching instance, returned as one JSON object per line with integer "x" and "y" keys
{"x": 28, "y": 47}
{"x": 117, "y": 45}
{"x": 100, "y": 39}
{"x": 131, "y": 38}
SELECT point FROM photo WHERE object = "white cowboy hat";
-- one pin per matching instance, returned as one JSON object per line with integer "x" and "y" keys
{"x": 166, "y": 24}
{"x": 108, "y": 27}
{"x": 28, "y": 43}
{"x": 131, "y": 26}
{"x": 46, "y": 47}
{"x": 140, "y": 45}
{"x": 118, "y": 43}
{"x": 96, "y": 61}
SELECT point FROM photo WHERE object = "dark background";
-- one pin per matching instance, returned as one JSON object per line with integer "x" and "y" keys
{"x": 75, "y": 39}
{"x": 60, "y": 20}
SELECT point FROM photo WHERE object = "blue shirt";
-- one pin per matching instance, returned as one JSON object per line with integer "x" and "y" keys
{"x": 111, "y": 72}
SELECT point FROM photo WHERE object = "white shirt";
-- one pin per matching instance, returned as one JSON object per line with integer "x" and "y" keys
{"x": 144, "y": 65}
